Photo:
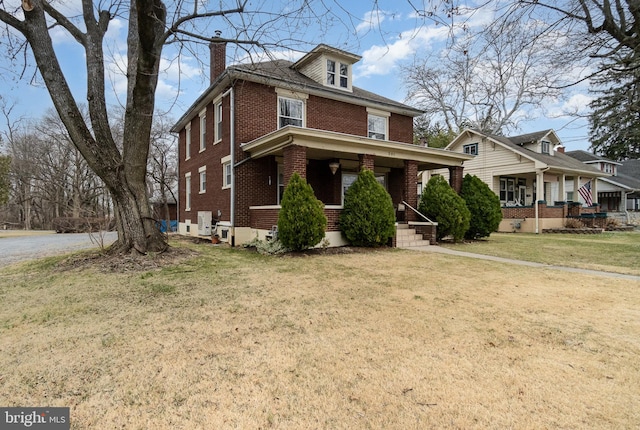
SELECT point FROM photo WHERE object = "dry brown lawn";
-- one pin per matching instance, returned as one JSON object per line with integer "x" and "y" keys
{"x": 366, "y": 340}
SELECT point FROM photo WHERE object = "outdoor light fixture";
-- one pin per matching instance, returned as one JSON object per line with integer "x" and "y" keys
{"x": 334, "y": 166}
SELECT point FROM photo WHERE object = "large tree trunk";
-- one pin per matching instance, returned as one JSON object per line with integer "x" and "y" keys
{"x": 123, "y": 172}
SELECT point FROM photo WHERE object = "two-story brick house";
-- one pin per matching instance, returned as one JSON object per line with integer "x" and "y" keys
{"x": 256, "y": 124}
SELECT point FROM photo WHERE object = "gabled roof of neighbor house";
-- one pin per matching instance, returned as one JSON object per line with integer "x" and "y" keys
{"x": 630, "y": 168}
{"x": 621, "y": 180}
{"x": 587, "y": 157}
{"x": 283, "y": 74}
{"x": 558, "y": 161}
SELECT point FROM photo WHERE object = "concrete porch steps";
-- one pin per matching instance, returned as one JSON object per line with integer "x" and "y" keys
{"x": 408, "y": 238}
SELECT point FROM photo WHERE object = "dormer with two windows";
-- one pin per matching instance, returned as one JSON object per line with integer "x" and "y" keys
{"x": 329, "y": 66}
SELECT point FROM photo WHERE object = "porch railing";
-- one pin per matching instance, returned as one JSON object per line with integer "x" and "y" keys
{"x": 417, "y": 211}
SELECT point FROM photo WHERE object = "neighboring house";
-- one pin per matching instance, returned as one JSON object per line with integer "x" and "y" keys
{"x": 631, "y": 169}
{"x": 614, "y": 190}
{"x": 531, "y": 175}
{"x": 257, "y": 124}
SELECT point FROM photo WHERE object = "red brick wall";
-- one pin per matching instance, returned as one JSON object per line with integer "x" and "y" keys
{"x": 519, "y": 212}
{"x": 331, "y": 115}
{"x": 411, "y": 189}
{"x": 455, "y": 177}
{"x": 255, "y": 116}
{"x": 266, "y": 218}
{"x": 401, "y": 128}
{"x": 295, "y": 161}
{"x": 366, "y": 161}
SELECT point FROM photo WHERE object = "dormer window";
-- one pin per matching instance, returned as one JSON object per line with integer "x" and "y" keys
{"x": 545, "y": 147}
{"x": 337, "y": 74}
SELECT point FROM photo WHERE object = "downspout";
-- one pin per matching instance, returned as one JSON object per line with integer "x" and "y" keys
{"x": 624, "y": 206}
{"x": 232, "y": 139}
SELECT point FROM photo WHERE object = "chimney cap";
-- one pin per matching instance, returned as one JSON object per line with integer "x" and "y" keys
{"x": 218, "y": 33}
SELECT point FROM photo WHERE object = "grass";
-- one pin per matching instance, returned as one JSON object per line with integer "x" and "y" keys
{"x": 617, "y": 252}
{"x": 383, "y": 339}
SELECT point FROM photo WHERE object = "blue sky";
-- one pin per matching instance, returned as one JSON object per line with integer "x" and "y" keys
{"x": 386, "y": 38}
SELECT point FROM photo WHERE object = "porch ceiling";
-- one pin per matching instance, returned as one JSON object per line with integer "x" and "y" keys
{"x": 325, "y": 145}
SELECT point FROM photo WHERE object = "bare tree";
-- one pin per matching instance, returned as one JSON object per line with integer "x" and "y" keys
{"x": 490, "y": 79}
{"x": 151, "y": 25}
{"x": 163, "y": 166}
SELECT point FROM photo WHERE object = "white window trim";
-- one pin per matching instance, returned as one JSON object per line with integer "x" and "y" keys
{"x": 471, "y": 145}
{"x": 203, "y": 130}
{"x": 187, "y": 145}
{"x": 337, "y": 75}
{"x": 381, "y": 114}
{"x": 218, "y": 116}
{"x": 301, "y": 97}
{"x": 202, "y": 170}
{"x": 225, "y": 161}
{"x": 187, "y": 197}
{"x": 546, "y": 143}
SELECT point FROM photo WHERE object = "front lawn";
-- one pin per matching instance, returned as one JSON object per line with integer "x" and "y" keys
{"x": 229, "y": 339}
{"x": 610, "y": 251}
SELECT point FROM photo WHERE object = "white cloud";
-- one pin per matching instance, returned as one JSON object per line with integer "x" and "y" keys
{"x": 383, "y": 59}
{"x": 371, "y": 20}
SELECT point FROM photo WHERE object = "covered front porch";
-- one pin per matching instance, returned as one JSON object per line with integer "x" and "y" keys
{"x": 534, "y": 201}
{"x": 330, "y": 163}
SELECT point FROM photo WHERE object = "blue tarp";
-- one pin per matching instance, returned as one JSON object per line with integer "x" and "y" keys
{"x": 173, "y": 224}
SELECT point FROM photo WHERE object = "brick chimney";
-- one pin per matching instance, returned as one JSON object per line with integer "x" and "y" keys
{"x": 559, "y": 148}
{"x": 218, "y": 57}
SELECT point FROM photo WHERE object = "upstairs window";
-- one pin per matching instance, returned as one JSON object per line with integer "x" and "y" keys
{"x": 471, "y": 149}
{"x": 290, "y": 112}
{"x": 377, "y": 127}
{"x": 203, "y": 130}
{"x": 545, "y": 147}
{"x": 218, "y": 118}
{"x": 337, "y": 74}
{"x": 187, "y": 144}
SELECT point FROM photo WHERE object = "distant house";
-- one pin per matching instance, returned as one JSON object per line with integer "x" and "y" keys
{"x": 532, "y": 176}
{"x": 616, "y": 193}
{"x": 257, "y": 124}
{"x": 631, "y": 169}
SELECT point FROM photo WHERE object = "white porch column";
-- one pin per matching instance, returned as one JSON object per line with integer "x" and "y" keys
{"x": 576, "y": 187}
{"x": 539, "y": 196}
{"x": 562, "y": 195}
{"x": 594, "y": 190}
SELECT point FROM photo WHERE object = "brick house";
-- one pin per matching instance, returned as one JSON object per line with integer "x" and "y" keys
{"x": 533, "y": 177}
{"x": 256, "y": 124}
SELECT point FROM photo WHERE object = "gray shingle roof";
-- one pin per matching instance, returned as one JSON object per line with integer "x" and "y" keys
{"x": 630, "y": 168}
{"x": 281, "y": 71}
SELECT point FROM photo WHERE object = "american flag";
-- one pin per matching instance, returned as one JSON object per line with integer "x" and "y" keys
{"x": 585, "y": 193}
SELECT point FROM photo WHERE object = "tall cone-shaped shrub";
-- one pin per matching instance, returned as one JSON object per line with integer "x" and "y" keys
{"x": 442, "y": 204}
{"x": 368, "y": 218}
{"x": 484, "y": 206}
{"x": 301, "y": 222}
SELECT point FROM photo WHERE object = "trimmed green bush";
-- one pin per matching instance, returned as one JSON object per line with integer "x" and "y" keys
{"x": 301, "y": 222}
{"x": 368, "y": 217}
{"x": 484, "y": 206}
{"x": 442, "y": 204}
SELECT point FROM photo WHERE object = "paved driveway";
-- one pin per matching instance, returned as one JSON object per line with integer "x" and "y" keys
{"x": 15, "y": 247}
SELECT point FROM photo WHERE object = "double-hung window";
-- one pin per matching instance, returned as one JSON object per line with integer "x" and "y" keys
{"x": 203, "y": 179}
{"x": 337, "y": 74}
{"x": 226, "y": 171}
{"x": 377, "y": 127}
{"x": 218, "y": 119}
{"x": 290, "y": 112}
{"x": 203, "y": 130}
{"x": 187, "y": 142}
{"x": 187, "y": 191}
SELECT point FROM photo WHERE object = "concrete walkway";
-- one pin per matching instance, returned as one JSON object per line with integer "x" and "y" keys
{"x": 441, "y": 250}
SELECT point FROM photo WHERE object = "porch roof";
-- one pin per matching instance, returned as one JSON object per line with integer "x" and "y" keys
{"x": 326, "y": 145}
